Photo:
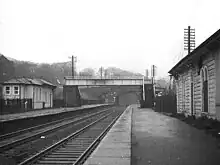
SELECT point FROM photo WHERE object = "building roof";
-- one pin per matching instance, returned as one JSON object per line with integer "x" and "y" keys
{"x": 210, "y": 44}
{"x": 29, "y": 81}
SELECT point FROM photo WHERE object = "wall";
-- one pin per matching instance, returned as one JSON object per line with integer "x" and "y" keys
{"x": 71, "y": 96}
{"x": 197, "y": 90}
{"x": 217, "y": 96}
{"x": 210, "y": 63}
{"x": 42, "y": 95}
{"x": 183, "y": 86}
{"x": 11, "y": 95}
{"x": 38, "y": 94}
{"x": 149, "y": 95}
{"x": 128, "y": 99}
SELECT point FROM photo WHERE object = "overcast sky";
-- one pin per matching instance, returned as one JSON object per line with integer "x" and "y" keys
{"x": 129, "y": 34}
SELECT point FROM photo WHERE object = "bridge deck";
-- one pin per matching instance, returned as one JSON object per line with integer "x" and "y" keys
{"x": 105, "y": 82}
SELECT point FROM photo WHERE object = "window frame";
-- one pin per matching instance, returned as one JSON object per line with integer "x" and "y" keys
{"x": 16, "y": 90}
{"x": 40, "y": 93}
{"x": 202, "y": 74}
{"x": 7, "y": 90}
{"x": 206, "y": 73}
{"x": 205, "y": 77}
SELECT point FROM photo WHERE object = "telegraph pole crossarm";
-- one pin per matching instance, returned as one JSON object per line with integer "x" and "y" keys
{"x": 189, "y": 39}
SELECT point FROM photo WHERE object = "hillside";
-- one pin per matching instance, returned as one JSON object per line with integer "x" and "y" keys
{"x": 54, "y": 73}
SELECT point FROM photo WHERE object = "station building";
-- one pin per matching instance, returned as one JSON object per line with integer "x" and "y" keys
{"x": 197, "y": 80}
{"x": 39, "y": 91}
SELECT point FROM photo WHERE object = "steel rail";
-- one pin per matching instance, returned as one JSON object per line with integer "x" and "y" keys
{"x": 89, "y": 150}
{"x": 63, "y": 142}
{"x": 12, "y": 134}
{"x": 46, "y": 131}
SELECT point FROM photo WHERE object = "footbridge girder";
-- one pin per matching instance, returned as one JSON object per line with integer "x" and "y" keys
{"x": 71, "y": 85}
{"x": 105, "y": 82}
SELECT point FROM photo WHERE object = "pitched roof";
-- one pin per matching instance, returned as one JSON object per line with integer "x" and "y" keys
{"x": 211, "y": 43}
{"x": 29, "y": 81}
{"x": 47, "y": 82}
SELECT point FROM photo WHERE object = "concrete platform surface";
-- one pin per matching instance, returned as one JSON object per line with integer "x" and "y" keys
{"x": 44, "y": 112}
{"x": 162, "y": 140}
{"x": 115, "y": 148}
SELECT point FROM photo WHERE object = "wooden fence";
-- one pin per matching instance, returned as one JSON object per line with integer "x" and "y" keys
{"x": 166, "y": 103}
{"x": 8, "y": 106}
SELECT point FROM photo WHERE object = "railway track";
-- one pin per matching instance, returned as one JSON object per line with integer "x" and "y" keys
{"x": 22, "y": 131}
{"x": 27, "y": 135}
{"x": 75, "y": 148}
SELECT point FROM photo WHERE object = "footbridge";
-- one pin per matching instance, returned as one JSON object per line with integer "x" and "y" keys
{"x": 72, "y": 94}
{"x": 121, "y": 81}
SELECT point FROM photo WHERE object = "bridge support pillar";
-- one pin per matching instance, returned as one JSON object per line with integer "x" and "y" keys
{"x": 71, "y": 96}
{"x": 149, "y": 96}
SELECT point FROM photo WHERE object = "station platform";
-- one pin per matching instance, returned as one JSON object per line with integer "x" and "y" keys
{"x": 44, "y": 112}
{"x": 145, "y": 137}
{"x": 115, "y": 147}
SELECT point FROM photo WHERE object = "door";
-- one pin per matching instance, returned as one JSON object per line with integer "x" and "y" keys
{"x": 205, "y": 95}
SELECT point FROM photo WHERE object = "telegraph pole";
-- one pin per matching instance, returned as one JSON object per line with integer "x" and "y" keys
{"x": 101, "y": 71}
{"x": 189, "y": 45}
{"x": 73, "y": 65}
{"x": 153, "y": 74}
{"x": 189, "y": 39}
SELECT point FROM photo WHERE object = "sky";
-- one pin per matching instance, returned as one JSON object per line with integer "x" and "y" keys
{"x": 128, "y": 34}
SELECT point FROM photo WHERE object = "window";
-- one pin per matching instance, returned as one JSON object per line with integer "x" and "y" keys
{"x": 45, "y": 96}
{"x": 202, "y": 74}
{"x": 7, "y": 90}
{"x": 205, "y": 73}
{"x": 16, "y": 90}
{"x": 37, "y": 94}
{"x": 204, "y": 91}
{"x": 40, "y": 94}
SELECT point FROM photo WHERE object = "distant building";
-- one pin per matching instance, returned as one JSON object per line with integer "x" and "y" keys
{"x": 197, "y": 79}
{"x": 39, "y": 90}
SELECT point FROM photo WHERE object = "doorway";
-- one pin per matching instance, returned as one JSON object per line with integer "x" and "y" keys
{"x": 205, "y": 89}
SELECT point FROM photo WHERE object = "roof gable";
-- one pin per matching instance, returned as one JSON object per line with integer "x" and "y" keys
{"x": 211, "y": 43}
{"x": 29, "y": 81}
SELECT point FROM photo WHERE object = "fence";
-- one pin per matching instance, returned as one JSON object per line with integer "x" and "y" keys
{"x": 58, "y": 103}
{"x": 10, "y": 106}
{"x": 166, "y": 103}
{"x": 15, "y": 105}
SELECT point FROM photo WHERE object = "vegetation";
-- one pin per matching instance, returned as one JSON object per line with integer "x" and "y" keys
{"x": 56, "y": 72}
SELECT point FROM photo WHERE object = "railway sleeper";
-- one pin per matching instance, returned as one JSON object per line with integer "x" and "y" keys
{"x": 43, "y": 162}
{"x": 62, "y": 156}
{"x": 60, "y": 159}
